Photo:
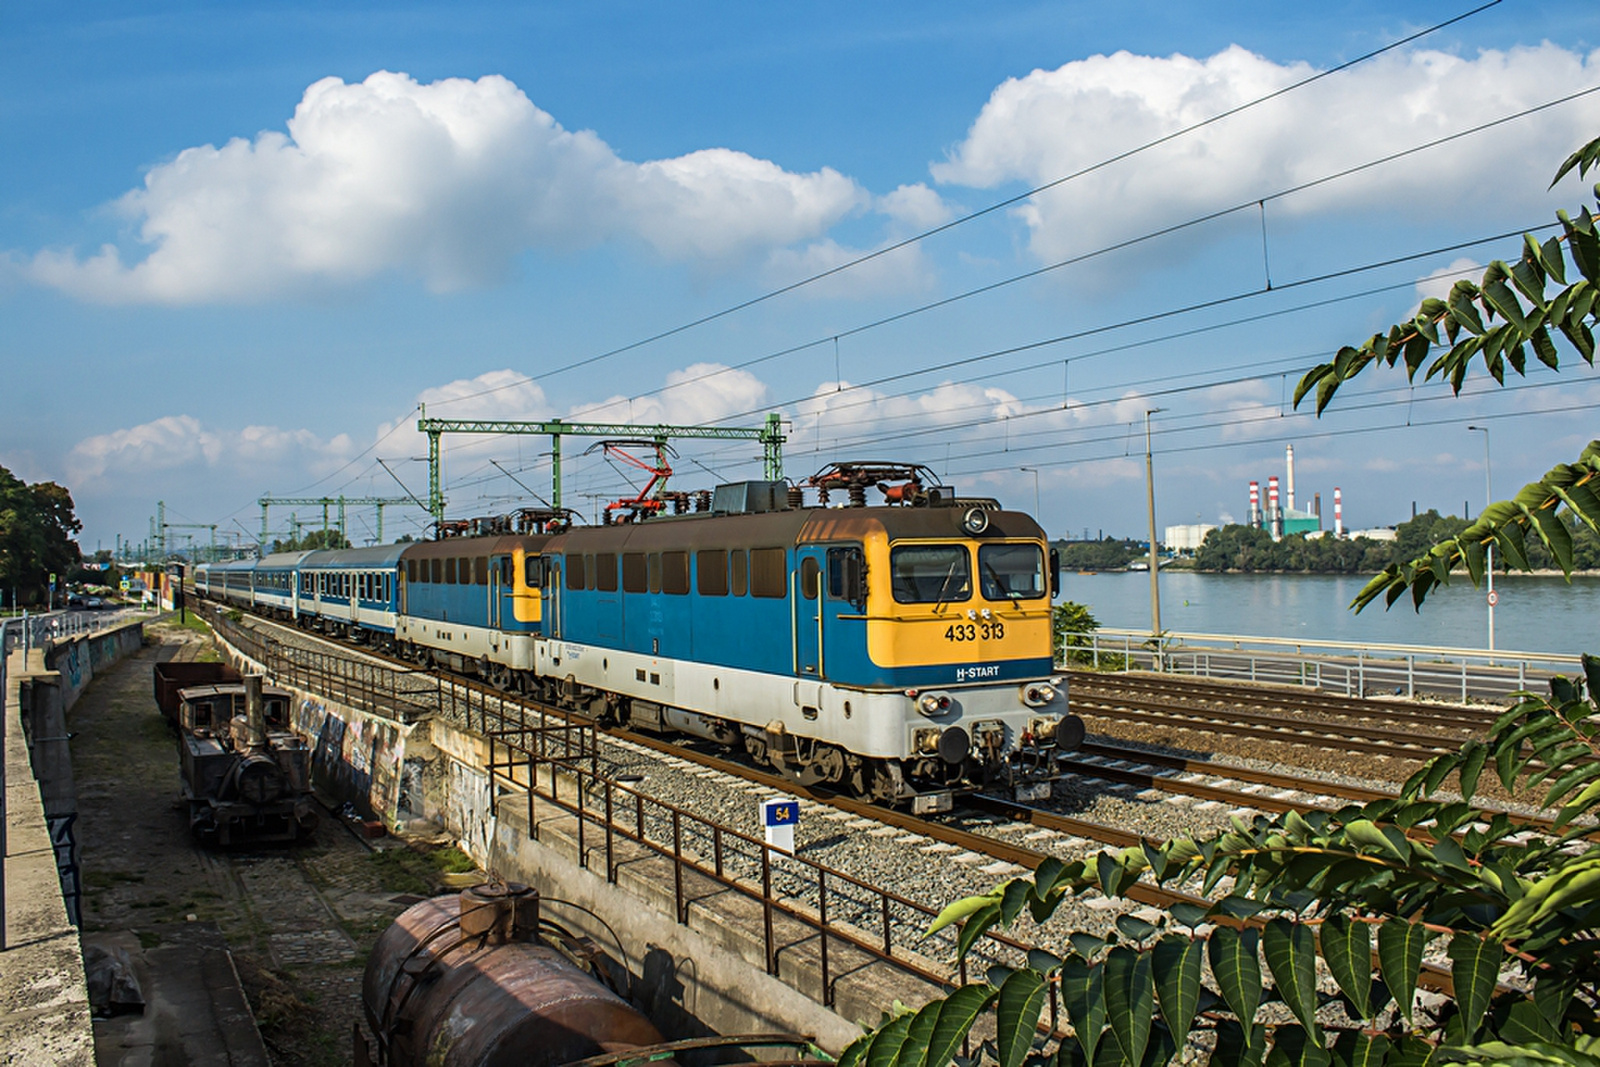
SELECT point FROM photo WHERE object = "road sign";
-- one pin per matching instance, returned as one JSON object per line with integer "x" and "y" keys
{"x": 779, "y": 817}
{"x": 1494, "y": 598}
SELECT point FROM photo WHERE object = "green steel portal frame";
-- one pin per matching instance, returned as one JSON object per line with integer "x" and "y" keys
{"x": 770, "y": 436}
{"x": 325, "y": 502}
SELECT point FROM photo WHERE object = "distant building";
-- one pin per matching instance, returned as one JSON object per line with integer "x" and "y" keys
{"x": 1380, "y": 533}
{"x": 1186, "y": 539}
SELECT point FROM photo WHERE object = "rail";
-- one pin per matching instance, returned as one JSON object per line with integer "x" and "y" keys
{"x": 552, "y": 758}
{"x": 1347, "y": 667}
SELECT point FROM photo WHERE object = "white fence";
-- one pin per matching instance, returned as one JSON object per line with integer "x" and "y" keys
{"x": 1346, "y": 667}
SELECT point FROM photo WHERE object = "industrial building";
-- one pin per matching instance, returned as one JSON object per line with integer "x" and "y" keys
{"x": 1281, "y": 519}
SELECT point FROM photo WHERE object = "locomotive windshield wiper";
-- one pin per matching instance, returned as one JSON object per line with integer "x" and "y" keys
{"x": 944, "y": 587}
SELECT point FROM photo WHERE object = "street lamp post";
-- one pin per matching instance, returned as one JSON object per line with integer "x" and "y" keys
{"x": 1488, "y": 498}
{"x": 1037, "y": 510}
{"x": 1155, "y": 563}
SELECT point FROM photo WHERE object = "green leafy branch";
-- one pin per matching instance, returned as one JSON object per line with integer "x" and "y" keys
{"x": 1539, "y": 509}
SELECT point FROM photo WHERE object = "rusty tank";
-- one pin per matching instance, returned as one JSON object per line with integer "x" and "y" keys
{"x": 466, "y": 980}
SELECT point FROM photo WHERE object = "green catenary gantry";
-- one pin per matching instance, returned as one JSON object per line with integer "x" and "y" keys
{"x": 770, "y": 436}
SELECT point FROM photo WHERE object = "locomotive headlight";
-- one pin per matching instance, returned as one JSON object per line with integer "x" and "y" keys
{"x": 1038, "y": 694}
{"x": 934, "y": 703}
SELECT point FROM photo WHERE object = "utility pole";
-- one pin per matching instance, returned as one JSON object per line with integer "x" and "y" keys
{"x": 1488, "y": 498}
{"x": 1155, "y": 562}
{"x": 1037, "y": 510}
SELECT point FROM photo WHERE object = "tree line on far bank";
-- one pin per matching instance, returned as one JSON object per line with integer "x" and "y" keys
{"x": 1247, "y": 549}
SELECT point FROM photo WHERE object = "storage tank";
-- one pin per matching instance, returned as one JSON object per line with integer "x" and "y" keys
{"x": 464, "y": 979}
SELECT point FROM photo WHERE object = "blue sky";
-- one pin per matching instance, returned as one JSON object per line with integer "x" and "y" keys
{"x": 239, "y": 245}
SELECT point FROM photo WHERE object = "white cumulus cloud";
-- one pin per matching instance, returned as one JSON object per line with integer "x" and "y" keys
{"x": 1053, "y": 123}
{"x": 257, "y": 454}
{"x": 447, "y": 182}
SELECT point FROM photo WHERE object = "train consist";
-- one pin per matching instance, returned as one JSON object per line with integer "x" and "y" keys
{"x": 246, "y": 775}
{"x": 901, "y": 650}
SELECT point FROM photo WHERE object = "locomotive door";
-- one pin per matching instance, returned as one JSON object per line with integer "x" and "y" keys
{"x": 501, "y": 591}
{"x": 808, "y": 611}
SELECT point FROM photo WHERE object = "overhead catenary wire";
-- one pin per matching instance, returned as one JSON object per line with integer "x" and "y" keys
{"x": 989, "y": 209}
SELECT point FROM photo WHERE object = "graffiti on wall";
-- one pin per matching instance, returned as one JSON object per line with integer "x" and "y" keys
{"x": 355, "y": 760}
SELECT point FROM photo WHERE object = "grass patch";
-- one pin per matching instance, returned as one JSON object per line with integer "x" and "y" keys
{"x": 400, "y": 870}
{"x": 451, "y": 860}
{"x": 189, "y": 621}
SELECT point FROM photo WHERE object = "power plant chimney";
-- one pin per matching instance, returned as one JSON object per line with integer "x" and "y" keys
{"x": 1255, "y": 504}
{"x": 1289, "y": 459}
{"x": 1316, "y": 506}
{"x": 1274, "y": 516}
{"x": 1338, "y": 512}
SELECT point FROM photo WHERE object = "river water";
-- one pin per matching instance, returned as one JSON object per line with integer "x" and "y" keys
{"x": 1534, "y": 613}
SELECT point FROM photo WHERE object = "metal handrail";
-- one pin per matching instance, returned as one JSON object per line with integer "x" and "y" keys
{"x": 522, "y": 740}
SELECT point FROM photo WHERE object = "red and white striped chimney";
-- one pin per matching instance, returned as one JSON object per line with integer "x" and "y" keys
{"x": 1338, "y": 512}
{"x": 1272, "y": 497}
{"x": 1255, "y": 503}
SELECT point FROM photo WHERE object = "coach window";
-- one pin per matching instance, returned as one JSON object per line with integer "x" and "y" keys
{"x": 605, "y": 572}
{"x": 675, "y": 573}
{"x": 532, "y": 572}
{"x": 930, "y": 574}
{"x": 655, "y": 571}
{"x": 739, "y": 565}
{"x": 810, "y": 578}
{"x": 635, "y": 574}
{"x": 769, "y": 575}
{"x": 711, "y": 572}
{"x": 574, "y": 571}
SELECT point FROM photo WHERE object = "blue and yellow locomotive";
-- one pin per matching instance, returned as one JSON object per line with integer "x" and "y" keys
{"x": 900, "y": 651}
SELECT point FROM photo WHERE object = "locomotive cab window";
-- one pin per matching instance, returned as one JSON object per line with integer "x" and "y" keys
{"x": 1011, "y": 572}
{"x": 930, "y": 574}
{"x": 532, "y": 572}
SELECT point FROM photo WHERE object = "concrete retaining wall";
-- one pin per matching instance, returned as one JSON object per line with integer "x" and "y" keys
{"x": 704, "y": 977}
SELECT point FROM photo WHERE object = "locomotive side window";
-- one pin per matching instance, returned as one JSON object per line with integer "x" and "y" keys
{"x": 436, "y": 569}
{"x": 450, "y": 571}
{"x": 740, "y": 566}
{"x": 654, "y": 560}
{"x": 1011, "y": 572}
{"x": 847, "y": 576}
{"x": 675, "y": 573}
{"x": 929, "y": 574}
{"x": 411, "y": 570}
{"x": 769, "y": 575}
{"x": 635, "y": 574}
{"x": 810, "y": 578}
{"x": 574, "y": 570}
{"x": 480, "y": 571}
{"x": 711, "y": 572}
{"x": 605, "y": 572}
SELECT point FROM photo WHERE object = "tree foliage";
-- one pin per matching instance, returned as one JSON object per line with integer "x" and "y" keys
{"x": 1509, "y": 313}
{"x": 37, "y": 524}
{"x": 312, "y": 539}
{"x": 1364, "y": 895}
